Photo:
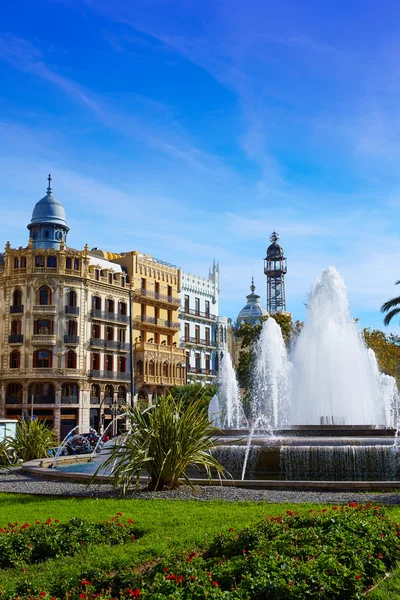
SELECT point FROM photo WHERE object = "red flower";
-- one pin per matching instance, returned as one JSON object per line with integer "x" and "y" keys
{"x": 231, "y": 529}
{"x": 85, "y": 582}
{"x": 324, "y": 510}
{"x": 82, "y": 595}
{"x": 358, "y": 577}
{"x": 37, "y": 522}
{"x": 335, "y": 507}
{"x": 215, "y": 583}
{"x": 244, "y": 551}
{"x": 56, "y": 520}
{"x": 130, "y": 521}
{"x": 170, "y": 577}
{"x": 290, "y": 513}
{"x": 133, "y": 538}
{"x": 192, "y": 578}
{"x": 42, "y": 594}
{"x": 48, "y": 521}
{"x": 353, "y": 504}
{"x": 25, "y": 526}
{"x": 134, "y": 593}
{"x": 179, "y": 578}
{"x": 379, "y": 556}
{"x": 291, "y": 583}
{"x": 119, "y": 514}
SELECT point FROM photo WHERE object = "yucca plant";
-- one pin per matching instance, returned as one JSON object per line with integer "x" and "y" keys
{"x": 164, "y": 441}
{"x": 7, "y": 456}
{"x": 32, "y": 440}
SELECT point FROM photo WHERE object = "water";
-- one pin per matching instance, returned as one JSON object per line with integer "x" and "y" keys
{"x": 226, "y": 407}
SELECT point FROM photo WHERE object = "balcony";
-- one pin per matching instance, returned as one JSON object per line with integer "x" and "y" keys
{"x": 103, "y": 315}
{"x": 156, "y": 298}
{"x": 71, "y": 340}
{"x": 198, "y": 371}
{"x": 159, "y": 380}
{"x": 16, "y": 338}
{"x": 199, "y": 342}
{"x": 45, "y": 269}
{"x": 13, "y": 400}
{"x": 69, "y": 400}
{"x": 96, "y": 343}
{"x": 115, "y": 345}
{"x": 45, "y": 309}
{"x": 191, "y": 312}
{"x": 72, "y": 310}
{"x": 157, "y": 322}
{"x": 44, "y": 338}
{"x": 97, "y": 374}
{"x": 17, "y": 309}
{"x": 161, "y": 348}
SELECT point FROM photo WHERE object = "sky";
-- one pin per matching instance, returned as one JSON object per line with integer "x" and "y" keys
{"x": 191, "y": 129}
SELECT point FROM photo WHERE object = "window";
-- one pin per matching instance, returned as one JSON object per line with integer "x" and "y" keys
{"x": 76, "y": 264}
{"x": 95, "y": 391}
{"x": 187, "y": 332}
{"x": 23, "y": 262}
{"x": 109, "y": 333}
{"x": 17, "y": 298}
{"x": 71, "y": 298}
{"x": 14, "y": 393}
{"x": 156, "y": 338}
{"x": 70, "y": 359}
{"x": 156, "y": 312}
{"x": 157, "y": 289}
{"x": 16, "y": 263}
{"x": 44, "y": 295}
{"x": 42, "y": 359}
{"x": 15, "y": 327}
{"x": 121, "y": 308}
{"x": 197, "y": 333}
{"x": 121, "y": 364}
{"x": 197, "y": 361}
{"x": 186, "y": 303}
{"x": 165, "y": 369}
{"x": 43, "y": 327}
{"x": 110, "y": 278}
{"x": 207, "y": 311}
{"x": 70, "y": 390}
{"x": 109, "y": 362}
{"x": 208, "y": 362}
{"x": 121, "y": 392}
{"x": 109, "y": 305}
{"x": 109, "y": 393}
{"x": 139, "y": 367}
{"x": 39, "y": 261}
{"x": 121, "y": 335}
{"x": 68, "y": 263}
{"x": 97, "y": 274}
{"x": 151, "y": 367}
{"x": 197, "y": 305}
{"x": 96, "y": 331}
{"x": 143, "y": 285}
{"x": 169, "y": 292}
{"x": 52, "y": 262}
{"x": 72, "y": 328}
{"x": 96, "y": 303}
{"x": 143, "y": 311}
{"x": 15, "y": 359}
{"x": 208, "y": 335}
{"x": 95, "y": 361}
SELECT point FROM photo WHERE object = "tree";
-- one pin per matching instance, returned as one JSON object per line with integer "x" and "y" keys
{"x": 386, "y": 348}
{"x": 391, "y": 307}
{"x": 194, "y": 391}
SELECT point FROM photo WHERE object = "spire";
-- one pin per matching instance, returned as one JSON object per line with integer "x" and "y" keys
{"x": 49, "y": 190}
{"x": 252, "y": 287}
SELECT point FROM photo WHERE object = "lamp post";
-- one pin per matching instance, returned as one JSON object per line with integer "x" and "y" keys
{"x": 131, "y": 346}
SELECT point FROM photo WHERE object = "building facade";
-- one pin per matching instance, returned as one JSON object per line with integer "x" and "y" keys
{"x": 203, "y": 333}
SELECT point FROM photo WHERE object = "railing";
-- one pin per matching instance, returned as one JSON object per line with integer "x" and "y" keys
{"x": 69, "y": 400}
{"x": 16, "y": 338}
{"x": 71, "y": 310}
{"x": 48, "y": 338}
{"x": 198, "y": 313}
{"x": 71, "y": 339}
{"x": 157, "y": 321}
{"x": 110, "y": 344}
{"x": 97, "y": 342}
{"x": 45, "y": 269}
{"x": 17, "y": 309}
{"x": 44, "y": 400}
{"x": 198, "y": 341}
{"x": 104, "y": 315}
{"x": 97, "y": 374}
{"x": 199, "y": 371}
{"x": 151, "y": 347}
{"x": 157, "y": 296}
{"x": 13, "y": 400}
{"x": 160, "y": 379}
{"x": 45, "y": 308}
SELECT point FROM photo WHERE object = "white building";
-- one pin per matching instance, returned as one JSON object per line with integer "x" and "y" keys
{"x": 204, "y": 333}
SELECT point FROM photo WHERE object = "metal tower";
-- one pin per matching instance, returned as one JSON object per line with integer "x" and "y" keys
{"x": 275, "y": 269}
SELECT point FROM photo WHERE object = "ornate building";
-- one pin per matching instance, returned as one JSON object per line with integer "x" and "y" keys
{"x": 64, "y": 327}
{"x": 204, "y": 334}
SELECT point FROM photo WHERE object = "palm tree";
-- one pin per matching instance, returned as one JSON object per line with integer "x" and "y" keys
{"x": 391, "y": 307}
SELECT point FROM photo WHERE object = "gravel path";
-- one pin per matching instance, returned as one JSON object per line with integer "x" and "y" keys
{"x": 16, "y": 481}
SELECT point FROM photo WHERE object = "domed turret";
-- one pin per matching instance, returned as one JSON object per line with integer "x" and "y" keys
{"x": 48, "y": 226}
{"x": 275, "y": 269}
{"x": 253, "y": 311}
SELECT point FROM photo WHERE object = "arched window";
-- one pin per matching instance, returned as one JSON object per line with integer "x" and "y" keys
{"x": 16, "y": 263}
{"x": 96, "y": 303}
{"x": 72, "y": 328}
{"x": 95, "y": 361}
{"x": 96, "y": 332}
{"x": 22, "y": 262}
{"x": 15, "y": 359}
{"x": 151, "y": 367}
{"x": 71, "y": 298}
{"x": 122, "y": 308}
{"x": 14, "y": 393}
{"x": 139, "y": 367}
{"x": 95, "y": 391}
{"x": 68, "y": 263}
{"x": 15, "y": 327}
{"x": 17, "y": 298}
{"x": 109, "y": 333}
{"x": 121, "y": 364}
{"x": 108, "y": 394}
{"x": 70, "y": 393}
{"x": 44, "y": 295}
{"x": 43, "y": 393}
{"x": 39, "y": 261}
{"x": 42, "y": 359}
{"x": 52, "y": 262}
{"x": 122, "y": 392}
{"x": 109, "y": 362}
{"x": 109, "y": 305}
{"x": 76, "y": 264}
{"x": 165, "y": 369}
{"x": 70, "y": 359}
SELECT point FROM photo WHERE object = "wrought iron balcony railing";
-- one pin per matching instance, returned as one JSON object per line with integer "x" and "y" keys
{"x": 104, "y": 315}
{"x": 100, "y": 374}
{"x": 157, "y": 296}
{"x": 157, "y": 321}
{"x": 69, "y": 400}
{"x": 17, "y": 309}
{"x": 199, "y": 341}
{"x": 199, "y": 371}
{"x": 73, "y": 340}
{"x": 16, "y": 338}
{"x": 71, "y": 310}
{"x": 198, "y": 313}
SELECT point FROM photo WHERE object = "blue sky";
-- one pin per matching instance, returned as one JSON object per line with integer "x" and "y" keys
{"x": 191, "y": 129}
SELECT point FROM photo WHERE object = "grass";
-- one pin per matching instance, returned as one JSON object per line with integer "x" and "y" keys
{"x": 169, "y": 526}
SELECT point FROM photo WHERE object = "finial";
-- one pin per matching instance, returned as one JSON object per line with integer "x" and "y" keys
{"x": 274, "y": 237}
{"x": 252, "y": 287}
{"x": 49, "y": 190}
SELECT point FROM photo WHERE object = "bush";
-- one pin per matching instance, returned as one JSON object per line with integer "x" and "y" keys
{"x": 32, "y": 440}
{"x": 27, "y": 544}
{"x": 164, "y": 441}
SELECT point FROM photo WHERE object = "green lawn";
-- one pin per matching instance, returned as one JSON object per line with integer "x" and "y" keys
{"x": 169, "y": 527}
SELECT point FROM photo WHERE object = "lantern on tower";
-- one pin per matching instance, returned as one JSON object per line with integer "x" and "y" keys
{"x": 275, "y": 270}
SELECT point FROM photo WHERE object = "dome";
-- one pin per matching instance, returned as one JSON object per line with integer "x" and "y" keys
{"x": 49, "y": 210}
{"x": 274, "y": 250}
{"x": 253, "y": 311}
{"x": 48, "y": 227}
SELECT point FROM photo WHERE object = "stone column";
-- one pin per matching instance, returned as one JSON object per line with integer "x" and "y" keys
{"x": 84, "y": 410}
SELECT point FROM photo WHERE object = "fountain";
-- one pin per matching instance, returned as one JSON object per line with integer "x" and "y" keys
{"x": 225, "y": 409}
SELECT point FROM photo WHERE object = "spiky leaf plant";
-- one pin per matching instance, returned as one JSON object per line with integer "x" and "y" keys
{"x": 32, "y": 440}
{"x": 164, "y": 441}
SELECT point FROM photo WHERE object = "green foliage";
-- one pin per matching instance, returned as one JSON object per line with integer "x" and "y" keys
{"x": 386, "y": 348}
{"x": 164, "y": 441}
{"x": 21, "y": 545}
{"x": 32, "y": 440}
{"x": 194, "y": 391}
{"x": 391, "y": 308}
{"x": 7, "y": 456}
